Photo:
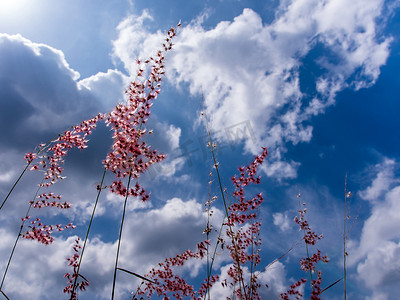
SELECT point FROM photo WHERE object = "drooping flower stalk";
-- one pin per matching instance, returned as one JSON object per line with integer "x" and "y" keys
{"x": 29, "y": 157}
{"x": 49, "y": 159}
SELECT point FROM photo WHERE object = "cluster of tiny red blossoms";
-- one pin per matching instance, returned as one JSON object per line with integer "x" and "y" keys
{"x": 307, "y": 264}
{"x": 74, "y": 262}
{"x": 50, "y": 156}
{"x": 294, "y": 290}
{"x": 42, "y": 232}
{"x": 130, "y": 154}
{"x": 243, "y": 230}
{"x": 310, "y": 237}
{"x": 49, "y": 159}
{"x": 165, "y": 283}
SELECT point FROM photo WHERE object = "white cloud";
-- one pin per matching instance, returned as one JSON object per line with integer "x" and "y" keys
{"x": 40, "y": 93}
{"x": 272, "y": 281}
{"x": 281, "y": 220}
{"x": 174, "y": 228}
{"x": 384, "y": 179}
{"x": 377, "y": 253}
{"x": 108, "y": 87}
{"x": 248, "y": 70}
{"x": 135, "y": 42}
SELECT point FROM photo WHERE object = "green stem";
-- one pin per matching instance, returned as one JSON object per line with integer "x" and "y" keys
{"x": 87, "y": 234}
{"x": 344, "y": 238}
{"x": 23, "y": 172}
{"x": 15, "y": 184}
{"x": 120, "y": 235}
{"x": 225, "y": 206}
{"x": 16, "y": 240}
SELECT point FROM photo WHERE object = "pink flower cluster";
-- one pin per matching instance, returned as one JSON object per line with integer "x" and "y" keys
{"x": 49, "y": 159}
{"x": 42, "y": 232}
{"x": 74, "y": 262}
{"x": 165, "y": 281}
{"x": 294, "y": 290}
{"x": 46, "y": 203}
{"x": 243, "y": 209}
{"x": 130, "y": 154}
{"x": 310, "y": 237}
{"x": 245, "y": 242}
{"x": 244, "y": 238}
{"x": 307, "y": 264}
{"x": 51, "y": 156}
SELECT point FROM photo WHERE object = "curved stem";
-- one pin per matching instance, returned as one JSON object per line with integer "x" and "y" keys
{"x": 120, "y": 235}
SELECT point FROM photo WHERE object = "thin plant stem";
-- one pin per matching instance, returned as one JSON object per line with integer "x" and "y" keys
{"x": 215, "y": 252}
{"x": 208, "y": 234}
{"x": 4, "y": 295}
{"x": 15, "y": 184}
{"x": 344, "y": 237}
{"x": 99, "y": 189}
{"x": 251, "y": 265}
{"x": 283, "y": 255}
{"x": 216, "y": 165}
{"x": 26, "y": 167}
{"x": 137, "y": 290}
{"x": 16, "y": 240}
{"x": 304, "y": 232}
{"x": 120, "y": 235}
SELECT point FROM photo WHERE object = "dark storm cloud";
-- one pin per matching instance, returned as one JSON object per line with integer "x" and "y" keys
{"x": 39, "y": 94}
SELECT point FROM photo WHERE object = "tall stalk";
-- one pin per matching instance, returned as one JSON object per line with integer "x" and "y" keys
{"x": 99, "y": 189}
{"x": 17, "y": 239}
{"x": 44, "y": 146}
{"x": 304, "y": 232}
{"x": 216, "y": 165}
{"x": 120, "y": 235}
{"x": 344, "y": 237}
{"x": 15, "y": 184}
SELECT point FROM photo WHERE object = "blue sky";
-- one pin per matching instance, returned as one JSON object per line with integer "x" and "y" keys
{"x": 316, "y": 82}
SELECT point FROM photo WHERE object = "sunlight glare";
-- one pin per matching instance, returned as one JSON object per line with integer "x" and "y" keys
{"x": 8, "y": 7}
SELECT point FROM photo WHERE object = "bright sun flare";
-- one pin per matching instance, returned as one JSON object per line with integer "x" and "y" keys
{"x": 10, "y": 6}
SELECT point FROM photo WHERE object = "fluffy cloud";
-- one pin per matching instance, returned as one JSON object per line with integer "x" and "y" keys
{"x": 384, "y": 179}
{"x": 108, "y": 87}
{"x": 282, "y": 221}
{"x": 134, "y": 41}
{"x": 175, "y": 227}
{"x": 272, "y": 280}
{"x": 377, "y": 253}
{"x": 248, "y": 70}
{"x": 40, "y": 93}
